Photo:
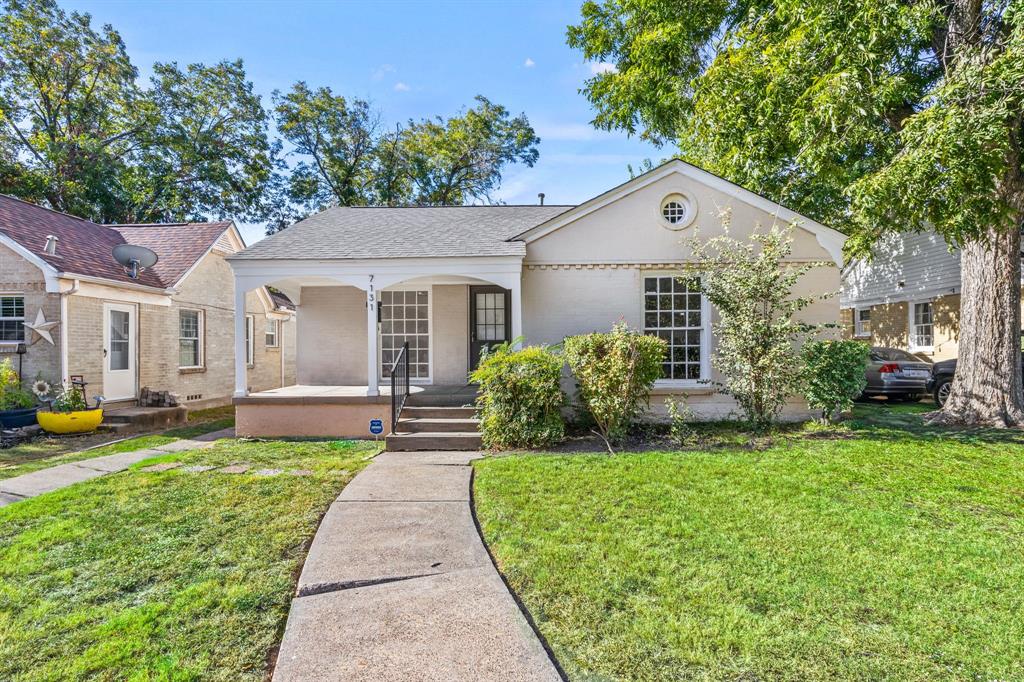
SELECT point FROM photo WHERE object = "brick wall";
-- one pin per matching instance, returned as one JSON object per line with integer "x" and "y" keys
{"x": 846, "y": 323}
{"x": 18, "y": 276}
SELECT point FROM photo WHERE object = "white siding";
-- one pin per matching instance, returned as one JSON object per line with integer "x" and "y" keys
{"x": 905, "y": 267}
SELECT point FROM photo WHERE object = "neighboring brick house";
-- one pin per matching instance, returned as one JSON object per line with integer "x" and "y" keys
{"x": 907, "y": 296}
{"x": 170, "y": 329}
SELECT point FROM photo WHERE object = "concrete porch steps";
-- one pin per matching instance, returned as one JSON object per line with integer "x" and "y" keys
{"x": 436, "y": 428}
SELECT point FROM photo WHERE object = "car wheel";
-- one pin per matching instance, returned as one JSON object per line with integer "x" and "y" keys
{"x": 941, "y": 392}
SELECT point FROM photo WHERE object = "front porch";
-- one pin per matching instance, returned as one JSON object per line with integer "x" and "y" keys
{"x": 335, "y": 411}
{"x": 353, "y": 318}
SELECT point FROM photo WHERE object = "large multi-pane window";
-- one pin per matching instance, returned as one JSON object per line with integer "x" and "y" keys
{"x": 190, "y": 342}
{"x": 12, "y": 318}
{"x": 922, "y": 329}
{"x": 673, "y": 312}
{"x": 405, "y": 318}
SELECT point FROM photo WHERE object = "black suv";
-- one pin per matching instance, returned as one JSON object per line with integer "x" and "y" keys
{"x": 942, "y": 378}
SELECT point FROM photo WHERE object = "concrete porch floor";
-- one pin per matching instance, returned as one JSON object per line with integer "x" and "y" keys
{"x": 419, "y": 395}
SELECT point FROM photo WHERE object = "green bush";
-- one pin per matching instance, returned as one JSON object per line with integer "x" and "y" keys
{"x": 12, "y": 395}
{"x": 615, "y": 373}
{"x": 521, "y": 397}
{"x": 834, "y": 374}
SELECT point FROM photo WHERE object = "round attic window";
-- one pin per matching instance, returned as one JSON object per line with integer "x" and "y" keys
{"x": 676, "y": 211}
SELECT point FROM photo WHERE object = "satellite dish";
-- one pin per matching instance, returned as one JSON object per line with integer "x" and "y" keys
{"x": 134, "y": 258}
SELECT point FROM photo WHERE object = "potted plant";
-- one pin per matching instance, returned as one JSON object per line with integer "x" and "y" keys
{"x": 17, "y": 405}
{"x": 69, "y": 412}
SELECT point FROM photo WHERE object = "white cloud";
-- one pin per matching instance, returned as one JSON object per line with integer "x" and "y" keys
{"x": 381, "y": 71}
{"x": 401, "y": 87}
{"x": 602, "y": 67}
{"x": 529, "y": 63}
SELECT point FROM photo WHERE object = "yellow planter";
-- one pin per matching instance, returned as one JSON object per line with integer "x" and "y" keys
{"x": 70, "y": 422}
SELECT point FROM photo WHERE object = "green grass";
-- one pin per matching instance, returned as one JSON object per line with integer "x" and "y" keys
{"x": 164, "y": 576}
{"x": 885, "y": 550}
{"x": 45, "y": 452}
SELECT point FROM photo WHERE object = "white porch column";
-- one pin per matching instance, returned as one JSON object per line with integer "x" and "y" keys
{"x": 517, "y": 306}
{"x": 241, "y": 378}
{"x": 372, "y": 370}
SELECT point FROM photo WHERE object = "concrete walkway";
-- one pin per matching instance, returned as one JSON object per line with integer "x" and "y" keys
{"x": 47, "y": 480}
{"x": 398, "y": 586}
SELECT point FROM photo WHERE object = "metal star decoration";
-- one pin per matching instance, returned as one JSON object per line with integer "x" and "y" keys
{"x": 41, "y": 327}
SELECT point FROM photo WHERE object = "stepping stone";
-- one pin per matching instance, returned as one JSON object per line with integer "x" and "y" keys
{"x": 182, "y": 445}
{"x": 199, "y": 467}
{"x": 235, "y": 469}
{"x": 268, "y": 472}
{"x": 162, "y": 466}
{"x": 301, "y": 472}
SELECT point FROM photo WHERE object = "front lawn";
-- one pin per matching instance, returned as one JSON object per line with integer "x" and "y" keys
{"x": 171, "y": 575}
{"x": 885, "y": 550}
{"x": 47, "y": 451}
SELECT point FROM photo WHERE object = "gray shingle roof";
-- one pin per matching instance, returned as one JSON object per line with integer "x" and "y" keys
{"x": 408, "y": 232}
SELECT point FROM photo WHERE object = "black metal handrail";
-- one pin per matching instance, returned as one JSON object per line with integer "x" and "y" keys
{"x": 399, "y": 385}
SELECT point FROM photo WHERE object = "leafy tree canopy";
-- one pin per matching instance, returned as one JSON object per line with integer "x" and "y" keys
{"x": 865, "y": 114}
{"x": 79, "y": 134}
{"x": 344, "y": 156}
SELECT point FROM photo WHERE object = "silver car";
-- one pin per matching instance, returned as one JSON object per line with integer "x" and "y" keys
{"x": 896, "y": 374}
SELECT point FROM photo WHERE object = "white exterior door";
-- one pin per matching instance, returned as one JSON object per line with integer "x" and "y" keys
{"x": 120, "y": 337}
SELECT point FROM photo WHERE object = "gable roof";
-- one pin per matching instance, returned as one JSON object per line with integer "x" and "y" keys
{"x": 404, "y": 232}
{"x": 84, "y": 247}
{"x": 829, "y": 239}
{"x": 179, "y": 245}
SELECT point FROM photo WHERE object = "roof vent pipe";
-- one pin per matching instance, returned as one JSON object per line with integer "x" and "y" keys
{"x": 540, "y": 196}
{"x": 51, "y": 245}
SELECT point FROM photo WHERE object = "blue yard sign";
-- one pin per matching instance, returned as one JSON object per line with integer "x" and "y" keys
{"x": 376, "y": 426}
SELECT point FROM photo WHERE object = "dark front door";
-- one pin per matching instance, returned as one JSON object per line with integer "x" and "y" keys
{"x": 489, "y": 323}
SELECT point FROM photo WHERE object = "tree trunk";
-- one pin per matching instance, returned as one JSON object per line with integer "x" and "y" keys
{"x": 986, "y": 390}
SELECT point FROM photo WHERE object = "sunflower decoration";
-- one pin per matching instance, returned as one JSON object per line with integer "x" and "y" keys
{"x": 41, "y": 388}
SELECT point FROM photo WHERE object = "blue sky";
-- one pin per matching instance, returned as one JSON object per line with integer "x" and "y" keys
{"x": 411, "y": 59}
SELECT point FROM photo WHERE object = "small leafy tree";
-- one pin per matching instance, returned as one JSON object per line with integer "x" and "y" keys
{"x": 615, "y": 373}
{"x": 750, "y": 284}
{"x": 521, "y": 397}
{"x": 834, "y": 374}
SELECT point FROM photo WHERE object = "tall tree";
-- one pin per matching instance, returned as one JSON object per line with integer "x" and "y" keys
{"x": 455, "y": 160}
{"x": 335, "y": 140}
{"x": 872, "y": 115}
{"x": 80, "y": 135}
{"x": 344, "y": 157}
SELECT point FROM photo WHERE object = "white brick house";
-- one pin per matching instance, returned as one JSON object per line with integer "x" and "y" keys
{"x": 171, "y": 329}
{"x": 448, "y": 280}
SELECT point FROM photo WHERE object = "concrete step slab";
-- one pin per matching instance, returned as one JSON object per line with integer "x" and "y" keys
{"x": 359, "y": 542}
{"x": 439, "y": 412}
{"x": 451, "y": 627}
{"x": 464, "y": 440}
{"x": 408, "y": 483}
{"x": 454, "y": 457}
{"x": 447, "y": 425}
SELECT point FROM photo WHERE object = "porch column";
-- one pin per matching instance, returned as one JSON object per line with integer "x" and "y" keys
{"x": 517, "y": 306}
{"x": 241, "y": 379}
{"x": 371, "y": 341}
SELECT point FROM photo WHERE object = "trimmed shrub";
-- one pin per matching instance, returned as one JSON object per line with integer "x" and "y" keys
{"x": 521, "y": 397}
{"x": 615, "y": 372}
{"x": 834, "y": 374}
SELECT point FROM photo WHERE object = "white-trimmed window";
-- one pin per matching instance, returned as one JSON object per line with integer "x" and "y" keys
{"x": 12, "y": 318}
{"x": 250, "y": 334}
{"x": 922, "y": 328}
{"x": 862, "y": 322}
{"x": 190, "y": 338}
{"x": 675, "y": 310}
{"x": 273, "y": 332}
